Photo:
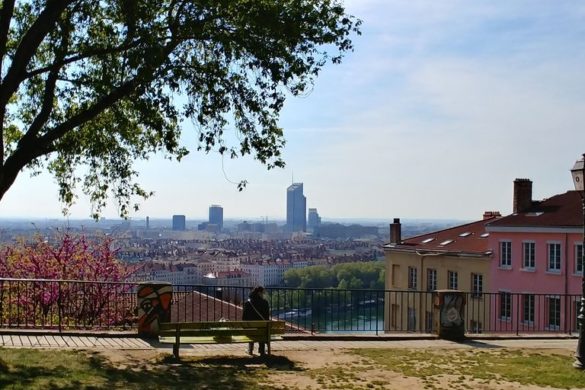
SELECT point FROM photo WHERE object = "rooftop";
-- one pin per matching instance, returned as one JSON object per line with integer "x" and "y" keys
{"x": 470, "y": 238}
{"x": 563, "y": 210}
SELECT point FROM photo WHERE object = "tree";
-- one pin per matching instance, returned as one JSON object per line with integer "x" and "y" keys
{"x": 76, "y": 282}
{"x": 369, "y": 275}
{"x": 93, "y": 86}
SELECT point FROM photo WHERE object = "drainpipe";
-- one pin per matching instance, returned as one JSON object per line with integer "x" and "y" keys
{"x": 567, "y": 326}
{"x": 420, "y": 294}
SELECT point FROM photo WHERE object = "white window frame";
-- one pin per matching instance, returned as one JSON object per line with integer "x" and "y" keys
{"x": 531, "y": 298}
{"x": 476, "y": 285}
{"x": 549, "y": 298}
{"x": 530, "y": 262}
{"x": 506, "y": 254}
{"x": 578, "y": 258}
{"x": 556, "y": 269}
{"x": 508, "y": 309}
{"x": 452, "y": 280}
{"x": 431, "y": 279}
{"x": 412, "y": 278}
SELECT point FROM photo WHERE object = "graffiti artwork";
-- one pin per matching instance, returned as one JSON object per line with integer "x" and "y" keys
{"x": 154, "y": 307}
{"x": 452, "y": 310}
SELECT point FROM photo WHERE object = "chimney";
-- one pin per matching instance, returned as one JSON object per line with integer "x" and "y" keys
{"x": 522, "y": 195}
{"x": 491, "y": 214}
{"x": 395, "y": 232}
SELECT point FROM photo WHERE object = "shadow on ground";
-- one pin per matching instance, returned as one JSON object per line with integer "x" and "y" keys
{"x": 478, "y": 344}
{"x": 82, "y": 370}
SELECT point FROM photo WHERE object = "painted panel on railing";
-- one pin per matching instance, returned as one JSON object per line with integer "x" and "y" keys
{"x": 154, "y": 307}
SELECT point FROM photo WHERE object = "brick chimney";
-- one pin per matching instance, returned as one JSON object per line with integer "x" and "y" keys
{"x": 491, "y": 214}
{"x": 522, "y": 195}
{"x": 395, "y": 232}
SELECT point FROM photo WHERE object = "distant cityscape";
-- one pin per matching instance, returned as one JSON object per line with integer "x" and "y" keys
{"x": 228, "y": 252}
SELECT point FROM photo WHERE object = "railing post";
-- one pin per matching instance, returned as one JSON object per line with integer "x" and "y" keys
{"x": 59, "y": 307}
{"x": 517, "y": 314}
{"x": 377, "y": 303}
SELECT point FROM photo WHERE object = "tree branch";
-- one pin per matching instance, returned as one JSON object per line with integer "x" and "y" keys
{"x": 82, "y": 56}
{"x": 28, "y": 46}
{"x": 50, "y": 85}
{"x": 142, "y": 78}
{"x": 5, "y": 18}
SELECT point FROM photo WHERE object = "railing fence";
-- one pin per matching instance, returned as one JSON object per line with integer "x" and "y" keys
{"x": 69, "y": 304}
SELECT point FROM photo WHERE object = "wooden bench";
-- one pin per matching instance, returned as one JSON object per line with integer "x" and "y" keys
{"x": 209, "y": 332}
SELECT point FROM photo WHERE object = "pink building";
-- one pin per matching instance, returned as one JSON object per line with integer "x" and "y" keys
{"x": 536, "y": 270}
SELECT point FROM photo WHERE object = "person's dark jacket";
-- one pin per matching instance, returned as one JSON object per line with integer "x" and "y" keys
{"x": 256, "y": 309}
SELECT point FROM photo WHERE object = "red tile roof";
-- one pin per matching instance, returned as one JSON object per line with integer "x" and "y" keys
{"x": 470, "y": 238}
{"x": 563, "y": 210}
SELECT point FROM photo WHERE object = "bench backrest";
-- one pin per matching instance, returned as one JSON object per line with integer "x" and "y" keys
{"x": 276, "y": 327}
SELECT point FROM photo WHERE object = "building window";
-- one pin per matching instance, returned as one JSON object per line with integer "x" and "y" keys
{"x": 412, "y": 278}
{"x": 431, "y": 279}
{"x": 452, "y": 280}
{"x": 505, "y": 253}
{"x": 476, "y": 285}
{"x": 579, "y": 259}
{"x": 475, "y": 327}
{"x": 528, "y": 308}
{"x": 528, "y": 259}
{"x": 395, "y": 274}
{"x": 411, "y": 325}
{"x": 554, "y": 313}
{"x": 505, "y": 306}
{"x": 429, "y": 322}
{"x": 394, "y": 316}
{"x": 554, "y": 257}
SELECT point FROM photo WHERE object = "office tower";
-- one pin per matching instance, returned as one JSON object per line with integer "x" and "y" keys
{"x": 178, "y": 222}
{"x": 216, "y": 215}
{"x": 296, "y": 208}
{"x": 314, "y": 219}
{"x": 147, "y": 223}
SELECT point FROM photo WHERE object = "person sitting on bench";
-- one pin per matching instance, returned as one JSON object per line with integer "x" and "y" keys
{"x": 256, "y": 308}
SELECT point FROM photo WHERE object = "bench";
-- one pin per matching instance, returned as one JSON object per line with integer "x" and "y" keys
{"x": 212, "y": 332}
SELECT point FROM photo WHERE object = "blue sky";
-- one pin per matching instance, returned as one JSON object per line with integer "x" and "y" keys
{"x": 441, "y": 106}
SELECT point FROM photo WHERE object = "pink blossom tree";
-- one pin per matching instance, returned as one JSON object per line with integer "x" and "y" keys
{"x": 74, "y": 282}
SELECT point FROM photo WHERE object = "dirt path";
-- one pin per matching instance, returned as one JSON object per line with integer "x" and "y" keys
{"x": 331, "y": 369}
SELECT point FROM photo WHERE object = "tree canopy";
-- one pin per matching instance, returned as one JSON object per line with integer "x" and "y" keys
{"x": 88, "y": 87}
{"x": 369, "y": 275}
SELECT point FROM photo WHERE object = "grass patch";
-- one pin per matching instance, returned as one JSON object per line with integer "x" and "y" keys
{"x": 483, "y": 366}
{"x": 44, "y": 369}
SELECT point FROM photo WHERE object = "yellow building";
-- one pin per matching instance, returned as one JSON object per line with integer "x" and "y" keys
{"x": 457, "y": 258}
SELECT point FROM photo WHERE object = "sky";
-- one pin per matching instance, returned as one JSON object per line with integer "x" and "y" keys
{"x": 436, "y": 112}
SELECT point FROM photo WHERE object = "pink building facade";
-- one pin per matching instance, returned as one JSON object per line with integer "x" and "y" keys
{"x": 537, "y": 266}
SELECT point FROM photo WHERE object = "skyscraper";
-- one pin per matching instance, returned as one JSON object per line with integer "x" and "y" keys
{"x": 314, "y": 218}
{"x": 216, "y": 215}
{"x": 296, "y": 208}
{"x": 179, "y": 222}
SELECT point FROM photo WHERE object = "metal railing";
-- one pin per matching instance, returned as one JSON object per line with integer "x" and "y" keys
{"x": 67, "y": 304}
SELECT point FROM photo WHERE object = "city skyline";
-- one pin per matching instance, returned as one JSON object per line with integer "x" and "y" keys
{"x": 441, "y": 106}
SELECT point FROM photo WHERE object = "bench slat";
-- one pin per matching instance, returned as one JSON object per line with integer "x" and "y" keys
{"x": 211, "y": 340}
{"x": 227, "y": 324}
{"x": 214, "y": 332}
